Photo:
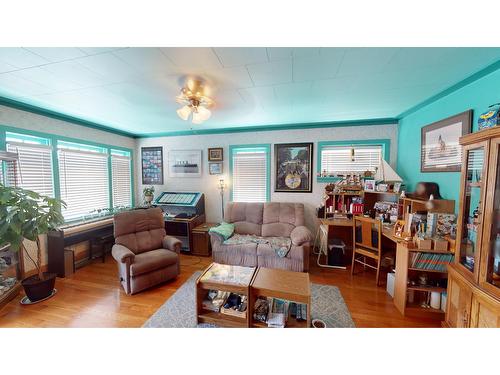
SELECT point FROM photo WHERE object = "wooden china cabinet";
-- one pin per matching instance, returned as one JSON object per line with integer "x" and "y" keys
{"x": 474, "y": 277}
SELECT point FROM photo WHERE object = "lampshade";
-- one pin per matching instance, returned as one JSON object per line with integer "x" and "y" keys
{"x": 204, "y": 112}
{"x": 184, "y": 112}
{"x": 200, "y": 115}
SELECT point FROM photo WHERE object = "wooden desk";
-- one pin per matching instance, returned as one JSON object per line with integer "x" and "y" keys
{"x": 387, "y": 230}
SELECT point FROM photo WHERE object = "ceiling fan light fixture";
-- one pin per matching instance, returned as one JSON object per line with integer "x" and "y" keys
{"x": 184, "y": 112}
{"x": 195, "y": 102}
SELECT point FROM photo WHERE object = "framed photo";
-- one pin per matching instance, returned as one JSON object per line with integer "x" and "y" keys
{"x": 397, "y": 187}
{"x": 184, "y": 163}
{"x": 215, "y": 168}
{"x": 293, "y": 167}
{"x": 369, "y": 185}
{"x": 440, "y": 151}
{"x": 216, "y": 154}
{"x": 152, "y": 165}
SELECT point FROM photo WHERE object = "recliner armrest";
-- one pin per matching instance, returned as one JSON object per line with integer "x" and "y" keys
{"x": 122, "y": 253}
{"x": 172, "y": 244}
{"x": 301, "y": 235}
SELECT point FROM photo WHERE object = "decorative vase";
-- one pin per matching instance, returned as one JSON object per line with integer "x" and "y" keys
{"x": 148, "y": 198}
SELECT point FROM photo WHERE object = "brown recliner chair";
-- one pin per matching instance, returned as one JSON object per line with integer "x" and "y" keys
{"x": 146, "y": 256}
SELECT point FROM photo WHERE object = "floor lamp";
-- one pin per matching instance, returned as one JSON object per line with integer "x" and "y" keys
{"x": 222, "y": 187}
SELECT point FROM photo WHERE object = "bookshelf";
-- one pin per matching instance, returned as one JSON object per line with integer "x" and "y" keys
{"x": 411, "y": 298}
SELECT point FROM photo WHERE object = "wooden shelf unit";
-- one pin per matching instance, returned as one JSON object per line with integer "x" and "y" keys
{"x": 473, "y": 292}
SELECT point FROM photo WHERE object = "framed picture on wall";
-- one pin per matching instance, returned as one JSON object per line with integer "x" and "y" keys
{"x": 293, "y": 167}
{"x": 184, "y": 163}
{"x": 440, "y": 150}
{"x": 215, "y": 168}
{"x": 216, "y": 154}
{"x": 152, "y": 165}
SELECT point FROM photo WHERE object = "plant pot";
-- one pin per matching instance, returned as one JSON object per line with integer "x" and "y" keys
{"x": 148, "y": 198}
{"x": 36, "y": 289}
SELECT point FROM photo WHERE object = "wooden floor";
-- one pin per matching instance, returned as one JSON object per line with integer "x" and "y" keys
{"x": 92, "y": 297}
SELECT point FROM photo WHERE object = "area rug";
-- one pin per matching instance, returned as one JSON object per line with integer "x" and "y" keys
{"x": 179, "y": 310}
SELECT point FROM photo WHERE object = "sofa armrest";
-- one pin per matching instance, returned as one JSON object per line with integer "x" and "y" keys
{"x": 122, "y": 254}
{"x": 172, "y": 244}
{"x": 301, "y": 235}
{"x": 215, "y": 238}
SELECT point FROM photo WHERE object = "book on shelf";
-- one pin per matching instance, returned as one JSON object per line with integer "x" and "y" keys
{"x": 430, "y": 261}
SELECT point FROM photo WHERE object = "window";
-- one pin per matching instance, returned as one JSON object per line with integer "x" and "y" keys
{"x": 84, "y": 180}
{"x": 250, "y": 170}
{"x": 336, "y": 158}
{"x": 33, "y": 171}
{"x": 121, "y": 172}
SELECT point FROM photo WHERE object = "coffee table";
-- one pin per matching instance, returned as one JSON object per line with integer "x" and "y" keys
{"x": 234, "y": 279}
{"x": 287, "y": 285}
{"x": 253, "y": 283}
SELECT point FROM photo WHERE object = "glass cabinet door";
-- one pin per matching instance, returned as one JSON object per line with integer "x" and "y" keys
{"x": 471, "y": 215}
{"x": 490, "y": 272}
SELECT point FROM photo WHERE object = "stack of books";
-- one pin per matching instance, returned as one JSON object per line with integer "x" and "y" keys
{"x": 431, "y": 262}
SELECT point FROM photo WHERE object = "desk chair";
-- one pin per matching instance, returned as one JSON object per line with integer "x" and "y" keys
{"x": 367, "y": 243}
{"x": 325, "y": 246}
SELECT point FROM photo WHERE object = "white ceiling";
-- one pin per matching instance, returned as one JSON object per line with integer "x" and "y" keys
{"x": 134, "y": 89}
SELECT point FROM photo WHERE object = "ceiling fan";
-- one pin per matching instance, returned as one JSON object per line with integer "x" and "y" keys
{"x": 195, "y": 102}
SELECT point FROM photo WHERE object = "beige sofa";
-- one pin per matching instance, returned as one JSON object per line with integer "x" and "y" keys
{"x": 267, "y": 220}
{"x": 145, "y": 255}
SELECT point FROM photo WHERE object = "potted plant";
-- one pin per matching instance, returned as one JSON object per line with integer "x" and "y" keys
{"x": 149, "y": 193}
{"x": 25, "y": 214}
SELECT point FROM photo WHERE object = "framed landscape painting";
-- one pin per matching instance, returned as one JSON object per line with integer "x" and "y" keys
{"x": 440, "y": 150}
{"x": 152, "y": 165}
{"x": 184, "y": 163}
{"x": 293, "y": 167}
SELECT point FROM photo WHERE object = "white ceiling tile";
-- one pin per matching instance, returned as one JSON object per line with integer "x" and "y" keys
{"x": 366, "y": 60}
{"x": 96, "y": 50}
{"x": 55, "y": 54}
{"x": 72, "y": 71}
{"x": 19, "y": 87}
{"x": 150, "y": 61}
{"x": 109, "y": 66}
{"x": 4, "y": 67}
{"x": 45, "y": 78}
{"x": 241, "y": 56}
{"x": 279, "y": 53}
{"x": 230, "y": 78}
{"x": 192, "y": 60}
{"x": 20, "y": 58}
{"x": 271, "y": 73}
{"x": 314, "y": 68}
{"x": 299, "y": 52}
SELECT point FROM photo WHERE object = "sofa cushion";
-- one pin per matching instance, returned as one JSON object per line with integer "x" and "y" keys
{"x": 152, "y": 260}
{"x": 246, "y": 217}
{"x": 266, "y": 250}
{"x": 279, "y": 219}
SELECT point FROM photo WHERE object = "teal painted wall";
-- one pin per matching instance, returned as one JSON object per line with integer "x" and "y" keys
{"x": 477, "y": 96}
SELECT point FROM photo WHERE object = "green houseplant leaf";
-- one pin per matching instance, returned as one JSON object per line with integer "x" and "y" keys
{"x": 25, "y": 214}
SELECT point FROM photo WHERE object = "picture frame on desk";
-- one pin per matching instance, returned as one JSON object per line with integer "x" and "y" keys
{"x": 369, "y": 185}
{"x": 397, "y": 187}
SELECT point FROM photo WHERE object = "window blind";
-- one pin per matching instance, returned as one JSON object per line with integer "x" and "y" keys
{"x": 121, "y": 180}
{"x": 84, "y": 182}
{"x": 250, "y": 175}
{"x": 339, "y": 159}
{"x": 34, "y": 167}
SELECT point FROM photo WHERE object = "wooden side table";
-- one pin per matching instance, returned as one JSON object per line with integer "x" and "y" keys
{"x": 201, "y": 239}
